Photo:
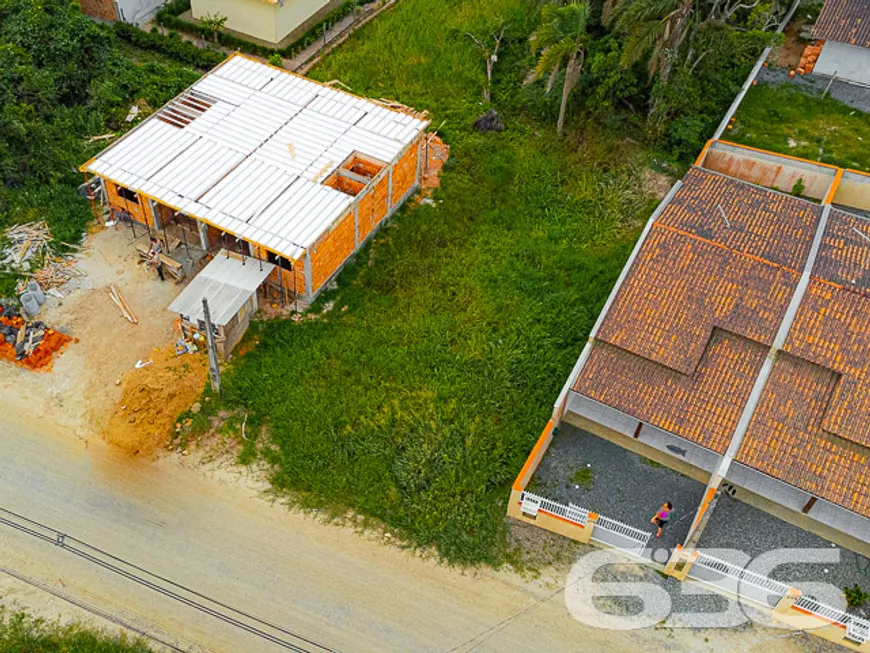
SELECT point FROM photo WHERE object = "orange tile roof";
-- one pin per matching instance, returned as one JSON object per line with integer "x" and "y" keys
{"x": 786, "y": 438}
{"x": 702, "y": 407}
{"x": 688, "y": 331}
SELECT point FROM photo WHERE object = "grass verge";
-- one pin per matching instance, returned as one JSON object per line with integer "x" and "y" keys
{"x": 416, "y": 399}
{"x": 22, "y": 633}
{"x": 783, "y": 118}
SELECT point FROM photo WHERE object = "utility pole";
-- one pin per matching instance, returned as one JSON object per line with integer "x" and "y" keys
{"x": 214, "y": 371}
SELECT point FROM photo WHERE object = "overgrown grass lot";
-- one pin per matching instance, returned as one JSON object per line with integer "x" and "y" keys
{"x": 786, "y": 119}
{"x": 417, "y": 397}
{"x": 20, "y": 633}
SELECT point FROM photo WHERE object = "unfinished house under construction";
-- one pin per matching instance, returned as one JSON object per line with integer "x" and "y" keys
{"x": 258, "y": 160}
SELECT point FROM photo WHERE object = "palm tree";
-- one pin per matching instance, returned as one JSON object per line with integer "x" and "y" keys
{"x": 561, "y": 40}
{"x": 657, "y": 28}
{"x": 213, "y": 24}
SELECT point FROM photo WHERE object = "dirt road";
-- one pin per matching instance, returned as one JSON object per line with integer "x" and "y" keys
{"x": 326, "y": 582}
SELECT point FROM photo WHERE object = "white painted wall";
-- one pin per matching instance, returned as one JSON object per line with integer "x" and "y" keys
{"x": 252, "y": 17}
{"x": 294, "y": 13}
{"x": 137, "y": 11}
{"x": 260, "y": 18}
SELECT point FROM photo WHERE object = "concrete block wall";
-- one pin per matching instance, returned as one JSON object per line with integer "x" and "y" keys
{"x": 404, "y": 174}
{"x": 373, "y": 206}
{"x": 329, "y": 253}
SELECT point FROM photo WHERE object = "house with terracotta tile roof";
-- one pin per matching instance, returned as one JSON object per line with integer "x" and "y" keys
{"x": 844, "y": 26}
{"x": 736, "y": 342}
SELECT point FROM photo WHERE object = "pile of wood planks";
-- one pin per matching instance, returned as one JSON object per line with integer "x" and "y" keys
{"x": 56, "y": 271}
{"x": 121, "y": 303}
{"x": 26, "y": 241}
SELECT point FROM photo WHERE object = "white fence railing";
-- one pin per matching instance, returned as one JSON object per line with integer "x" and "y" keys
{"x": 857, "y": 629}
{"x": 638, "y": 539}
{"x": 532, "y": 503}
{"x": 742, "y": 574}
{"x": 628, "y": 538}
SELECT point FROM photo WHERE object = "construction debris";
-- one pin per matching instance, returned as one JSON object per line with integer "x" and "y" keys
{"x": 56, "y": 272}
{"x": 116, "y": 296}
{"x": 30, "y": 344}
{"x": 25, "y": 243}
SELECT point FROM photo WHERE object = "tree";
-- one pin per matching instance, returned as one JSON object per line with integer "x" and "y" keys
{"x": 656, "y": 28}
{"x": 561, "y": 40}
{"x": 490, "y": 57}
{"x": 213, "y": 24}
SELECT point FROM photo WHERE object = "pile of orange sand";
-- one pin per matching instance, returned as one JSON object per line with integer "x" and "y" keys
{"x": 42, "y": 355}
{"x": 154, "y": 396}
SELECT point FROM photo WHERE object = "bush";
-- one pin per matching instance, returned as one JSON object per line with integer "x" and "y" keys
{"x": 172, "y": 46}
{"x": 855, "y": 596}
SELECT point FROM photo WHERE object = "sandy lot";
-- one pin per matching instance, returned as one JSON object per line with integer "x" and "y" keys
{"x": 79, "y": 393}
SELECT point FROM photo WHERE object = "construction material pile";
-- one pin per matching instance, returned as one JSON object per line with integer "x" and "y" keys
{"x": 25, "y": 243}
{"x": 56, "y": 271}
{"x": 29, "y": 344}
{"x": 809, "y": 57}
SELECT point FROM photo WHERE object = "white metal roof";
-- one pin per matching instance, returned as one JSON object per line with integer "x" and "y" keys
{"x": 247, "y": 148}
{"x": 226, "y": 282}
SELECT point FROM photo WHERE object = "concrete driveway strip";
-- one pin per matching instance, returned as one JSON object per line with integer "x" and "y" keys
{"x": 325, "y": 582}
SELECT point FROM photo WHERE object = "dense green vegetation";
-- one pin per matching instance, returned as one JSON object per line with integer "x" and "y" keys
{"x": 418, "y": 402}
{"x": 62, "y": 80}
{"x": 20, "y": 633}
{"x": 786, "y": 119}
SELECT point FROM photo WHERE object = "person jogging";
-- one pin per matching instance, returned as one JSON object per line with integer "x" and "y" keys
{"x": 660, "y": 519}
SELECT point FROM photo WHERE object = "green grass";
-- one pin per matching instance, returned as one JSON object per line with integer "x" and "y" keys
{"x": 785, "y": 119}
{"x": 418, "y": 404}
{"x": 20, "y": 633}
{"x": 585, "y": 477}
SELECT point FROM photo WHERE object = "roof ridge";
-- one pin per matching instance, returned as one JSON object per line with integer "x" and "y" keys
{"x": 714, "y": 243}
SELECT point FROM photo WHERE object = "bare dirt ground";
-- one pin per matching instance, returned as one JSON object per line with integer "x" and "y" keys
{"x": 84, "y": 385}
{"x": 788, "y": 55}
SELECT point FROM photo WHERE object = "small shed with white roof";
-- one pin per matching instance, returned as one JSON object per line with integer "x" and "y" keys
{"x": 297, "y": 173}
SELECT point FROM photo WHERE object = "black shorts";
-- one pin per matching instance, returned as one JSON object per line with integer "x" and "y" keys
{"x": 660, "y": 523}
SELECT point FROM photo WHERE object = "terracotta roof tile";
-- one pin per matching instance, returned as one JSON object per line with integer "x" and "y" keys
{"x": 703, "y": 407}
{"x": 786, "y": 439}
{"x": 763, "y": 224}
{"x": 845, "y": 21}
{"x": 681, "y": 287}
{"x": 688, "y": 331}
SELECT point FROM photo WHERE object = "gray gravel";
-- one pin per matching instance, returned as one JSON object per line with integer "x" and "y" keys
{"x": 739, "y": 526}
{"x": 857, "y": 97}
{"x": 625, "y": 486}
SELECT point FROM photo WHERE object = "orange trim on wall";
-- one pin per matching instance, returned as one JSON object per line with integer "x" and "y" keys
{"x": 518, "y": 483}
{"x": 818, "y": 616}
{"x": 834, "y": 186}
{"x": 785, "y": 156}
{"x": 703, "y": 153}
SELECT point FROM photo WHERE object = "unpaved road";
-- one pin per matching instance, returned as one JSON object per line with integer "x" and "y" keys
{"x": 326, "y": 582}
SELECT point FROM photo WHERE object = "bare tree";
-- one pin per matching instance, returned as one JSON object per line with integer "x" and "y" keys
{"x": 490, "y": 57}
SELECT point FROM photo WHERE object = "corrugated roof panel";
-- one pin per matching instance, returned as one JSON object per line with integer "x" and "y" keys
{"x": 224, "y": 89}
{"x": 249, "y": 73}
{"x": 198, "y": 168}
{"x": 295, "y": 89}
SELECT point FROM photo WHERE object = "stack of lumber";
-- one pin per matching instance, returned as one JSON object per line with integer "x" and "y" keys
{"x": 26, "y": 241}
{"x": 116, "y": 296}
{"x": 56, "y": 271}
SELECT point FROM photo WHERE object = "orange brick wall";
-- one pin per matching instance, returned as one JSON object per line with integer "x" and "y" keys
{"x": 140, "y": 210}
{"x": 328, "y": 255}
{"x": 373, "y": 207}
{"x": 102, "y": 9}
{"x": 404, "y": 173}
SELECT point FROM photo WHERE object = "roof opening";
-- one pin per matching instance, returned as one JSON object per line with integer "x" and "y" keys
{"x": 186, "y": 108}
{"x": 352, "y": 176}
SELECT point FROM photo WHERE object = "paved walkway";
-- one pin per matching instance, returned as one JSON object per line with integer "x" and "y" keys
{"x": 622, "y": 485}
